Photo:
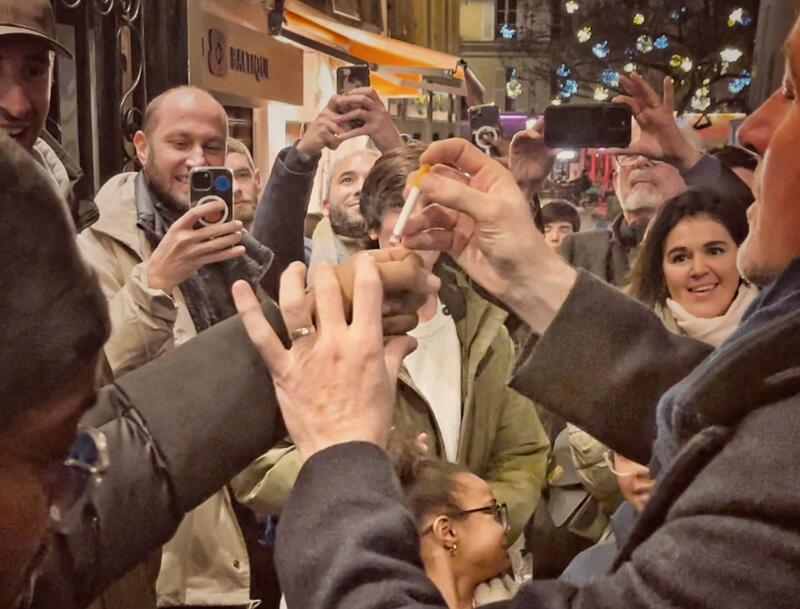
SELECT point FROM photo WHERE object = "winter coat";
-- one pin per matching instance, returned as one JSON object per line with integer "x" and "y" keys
{"x": 172, "y": 443}
{"x": 501, "y": 437}
{"x": 603, "y": 252}
{"x": 206, "y": 562}
{"x": 280, "y": 214}
{"x": 720, "y": 530}
{"x": 68, "y": 178}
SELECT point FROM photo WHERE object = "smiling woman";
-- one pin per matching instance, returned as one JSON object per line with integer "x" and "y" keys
{"x": 686, "y": 270}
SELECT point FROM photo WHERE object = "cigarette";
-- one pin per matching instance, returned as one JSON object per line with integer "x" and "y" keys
{"x": 408, "y": 206}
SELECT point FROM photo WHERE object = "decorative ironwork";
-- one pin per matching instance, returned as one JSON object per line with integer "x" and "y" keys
{"x": 128, "y": 23}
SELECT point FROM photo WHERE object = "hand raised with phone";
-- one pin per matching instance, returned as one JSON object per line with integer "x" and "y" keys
{"x": 364, "y": 107}
{"x": 184, "y": 248}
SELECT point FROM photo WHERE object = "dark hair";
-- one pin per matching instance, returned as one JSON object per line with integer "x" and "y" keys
{"x": 647, "y": 281}
{"x": 429, "y": 484}
{"x": 55, "y": 318}
{"x": 384, "y": 185}
{"x": 559, "y": 210}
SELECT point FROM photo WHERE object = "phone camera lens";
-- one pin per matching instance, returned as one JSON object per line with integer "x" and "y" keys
{"x": 201, "y": 180}
{"x": 222, "y": 183}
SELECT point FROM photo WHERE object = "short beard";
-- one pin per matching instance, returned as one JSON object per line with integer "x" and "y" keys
{"x": 345, "y": 225}
{"x": 641, "y": 200}
{"x": 162, "y": 195}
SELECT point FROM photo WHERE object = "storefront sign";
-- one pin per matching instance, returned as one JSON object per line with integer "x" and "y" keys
{"x": 243, "y": 62}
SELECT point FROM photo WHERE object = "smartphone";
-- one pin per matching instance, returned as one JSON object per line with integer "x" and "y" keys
{"x": 587, "y": 126}
{"x": 486, "y": 115}
{"x": 349, "y": 78}
{"x": 208, "y": 184}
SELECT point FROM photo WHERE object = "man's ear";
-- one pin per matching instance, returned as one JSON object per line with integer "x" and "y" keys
{"x": 443, "y": 532}
{"x": 324, "y": 205}
{"x": 142, "y": 146}
{"x": 257, "y": 177}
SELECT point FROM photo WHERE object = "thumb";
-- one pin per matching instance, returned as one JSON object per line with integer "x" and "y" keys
{"x": 395, "y": 350}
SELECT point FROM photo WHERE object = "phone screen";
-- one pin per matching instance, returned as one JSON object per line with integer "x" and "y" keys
{"x": 587, "y": 126}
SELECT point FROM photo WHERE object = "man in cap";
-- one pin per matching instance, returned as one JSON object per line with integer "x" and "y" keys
{"x": 28, "y": 46}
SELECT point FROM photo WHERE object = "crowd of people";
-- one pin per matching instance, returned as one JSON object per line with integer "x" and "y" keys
{"x": 503, "y": 408}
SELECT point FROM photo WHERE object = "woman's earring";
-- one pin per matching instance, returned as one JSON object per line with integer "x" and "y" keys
{"x": 452, "y": 549}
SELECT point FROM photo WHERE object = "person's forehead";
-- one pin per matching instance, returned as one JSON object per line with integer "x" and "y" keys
{"x": 473, "y": 488}
{"x": 203, "y": 113}
{"x": 791, "y": 50}
{"x": 236, "y": 160}
{"x": 357, "y": 162}
{"x": 29, "y": 47}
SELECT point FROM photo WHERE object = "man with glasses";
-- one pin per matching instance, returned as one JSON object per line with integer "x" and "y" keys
{"x": 659, "y": 164}
{"x": 642, "y": 185}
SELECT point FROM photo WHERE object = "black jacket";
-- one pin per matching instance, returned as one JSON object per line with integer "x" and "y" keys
{"x": 178, "y": 429}
{"x": 722, "y": 529}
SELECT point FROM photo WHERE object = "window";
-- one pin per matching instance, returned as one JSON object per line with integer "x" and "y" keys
{"x": 506, "y": 19}
{"x": 477, "y": 20}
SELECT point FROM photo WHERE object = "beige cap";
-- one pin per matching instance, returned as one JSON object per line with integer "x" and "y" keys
{"x": 30, "y": 18}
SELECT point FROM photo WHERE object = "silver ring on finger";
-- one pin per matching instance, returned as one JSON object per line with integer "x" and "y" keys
{"x": 302, "y": 332}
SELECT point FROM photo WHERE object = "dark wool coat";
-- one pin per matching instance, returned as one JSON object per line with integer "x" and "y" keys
{"x": 721, "y": 531}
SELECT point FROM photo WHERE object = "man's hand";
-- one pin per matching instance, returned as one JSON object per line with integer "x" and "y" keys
{"x": 406, "y": 286}
{"x": 336, "y": 384}
{"x": 323, "y": 132}
{"x": 477, "y": 214}
{"x": 184, "y": 248}
{"x": 530, "y": 161}
{"x": 660, "y": 137}
{"x": 364, "y": 104}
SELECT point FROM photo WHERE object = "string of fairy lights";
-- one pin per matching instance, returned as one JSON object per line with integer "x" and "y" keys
{"x": 639, "y": 46}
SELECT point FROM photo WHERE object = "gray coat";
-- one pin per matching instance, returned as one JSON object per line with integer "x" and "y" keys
{"x": 720, "y": 531}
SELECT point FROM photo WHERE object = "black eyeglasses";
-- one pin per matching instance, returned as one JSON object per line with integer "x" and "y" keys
{"x": 68, "y": 481}
{"x": 498, "y": 511}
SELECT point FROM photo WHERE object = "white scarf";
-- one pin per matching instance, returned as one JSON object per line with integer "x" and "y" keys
{"x": 714, "y": 330}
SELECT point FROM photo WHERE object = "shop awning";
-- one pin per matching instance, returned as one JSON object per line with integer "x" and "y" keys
{"x": 399, "y": 68}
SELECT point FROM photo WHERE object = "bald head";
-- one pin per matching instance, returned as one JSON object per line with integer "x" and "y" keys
{"x": 184, "y": 128}
{"x": 186, "y": 96}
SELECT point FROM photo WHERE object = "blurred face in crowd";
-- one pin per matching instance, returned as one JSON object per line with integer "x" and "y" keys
{"x": 634, "y": 481}
{"x": 25, "y": 77}
{"x": 345, "y": 190}
{"x": 773, "y": 131}
{"x": 642, "y": 185}
{"x": 382, "y": 236}
{"x": 33, "y": 444}
{"x": 246, "y": 186}
{"x": 188, "y": 130}
{"x": 482, "y": 549}
{"x": 700, "y": 266}
{"x": 554, "y": 233}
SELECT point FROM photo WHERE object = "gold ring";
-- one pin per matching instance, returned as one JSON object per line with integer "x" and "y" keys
{"x": 301, "y": 332}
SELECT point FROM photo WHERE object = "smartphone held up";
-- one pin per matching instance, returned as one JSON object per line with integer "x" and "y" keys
{"x": 587, "y": 126}
{"x": 349, "y": 78}
{"x": 209, "y": 184}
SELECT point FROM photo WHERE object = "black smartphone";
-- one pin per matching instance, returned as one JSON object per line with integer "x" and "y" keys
{"x": 208, "y": 184}
{"x": 587, "y": 126}
{"x": 486, "y": 115}
{"x": 349, "y": 78}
